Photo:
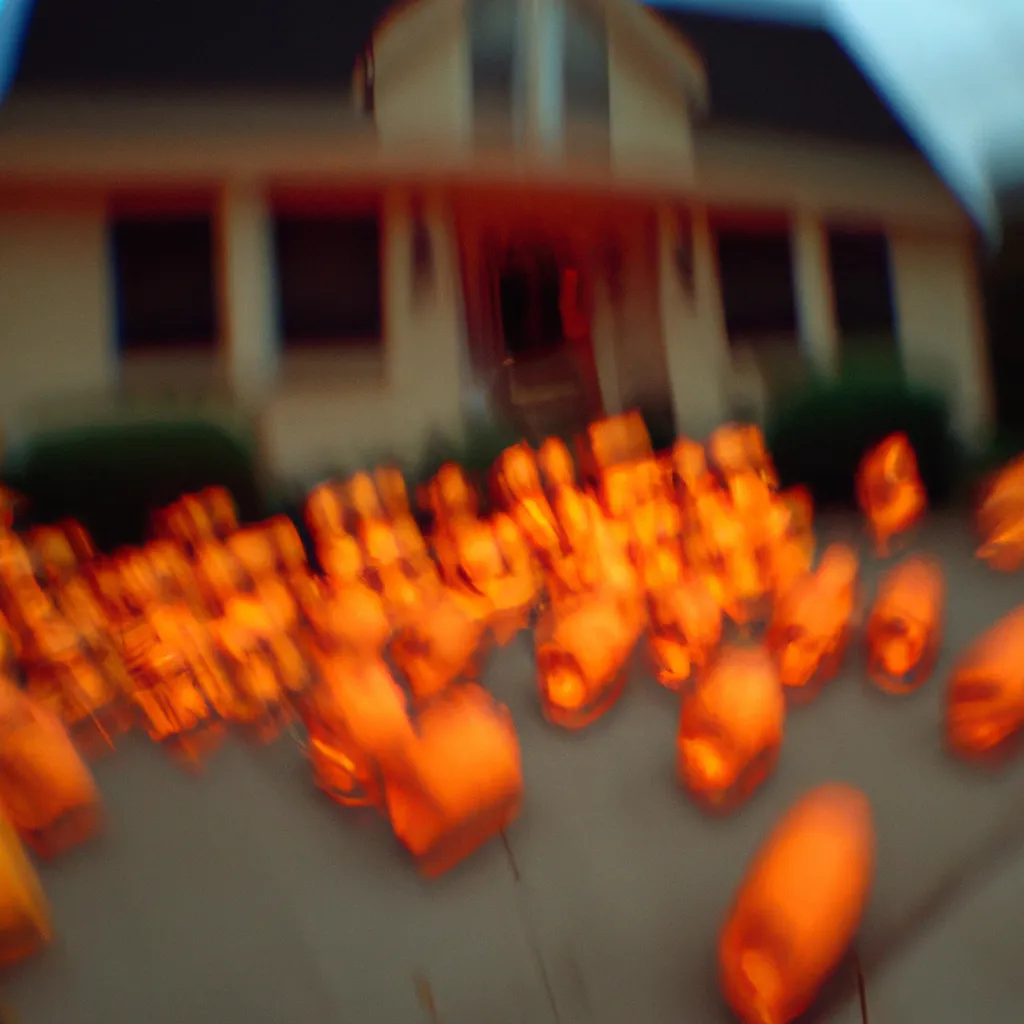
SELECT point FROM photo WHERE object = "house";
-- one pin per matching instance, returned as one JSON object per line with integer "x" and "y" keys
{"x": 356, "y": 219}
{"x": 1004, "y": 292}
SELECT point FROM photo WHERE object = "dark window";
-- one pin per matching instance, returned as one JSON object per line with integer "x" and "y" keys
{"x": 164, "y": 283}
{"x": 586, "y": 63}
{"x": 329, "y": 278}
{"x": 861, "y": 282}
{"x": 756, "y": 271}
{"x": 494, "y": 48}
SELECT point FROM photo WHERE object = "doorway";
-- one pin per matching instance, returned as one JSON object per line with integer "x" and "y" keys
{"x": 549, "y": 376}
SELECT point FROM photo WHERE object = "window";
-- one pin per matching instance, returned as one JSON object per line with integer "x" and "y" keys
{"x": 586, "y": 63}
{"x": 329, "y": 278}
{"x": 861, "y": 283}
{"x": 758, "y": 292}
{"x": 494, "y": 46}
{"x": 164, "y": 282}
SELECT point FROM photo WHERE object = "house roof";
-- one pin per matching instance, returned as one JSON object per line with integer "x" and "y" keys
{"x": 761, "y": 74}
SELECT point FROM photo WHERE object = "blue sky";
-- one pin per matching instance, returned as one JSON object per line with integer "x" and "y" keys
{"x": 954, "y": 68}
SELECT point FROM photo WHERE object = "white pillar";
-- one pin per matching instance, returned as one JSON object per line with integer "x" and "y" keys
{"x": 693, "y": 327}
{"x": 249, "y": 290}
{"x": 543, "y": 26}
{"x": 812, "y": 273}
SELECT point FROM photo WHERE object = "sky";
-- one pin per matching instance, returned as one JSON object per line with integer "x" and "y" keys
{"x": 953, "y": 68}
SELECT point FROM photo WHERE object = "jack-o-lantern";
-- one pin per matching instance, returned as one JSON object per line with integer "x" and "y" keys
{"x": 324, "y": 511}
{"x": 582, "y": 651}
{"x": 1000, "y": 519}
{"x": 462, "y": 783}
{"x": 450, "y": 494}
{"x": 438, "y": 646}
{"x": 193, "y": 519}
{"x": 685, "y": 627}
{"x": 556, "y": 463}
{"x": 985, "y": 700}
{"x": 812, "y": 621}
{"x": 359, "y": 729}
{"x": 890, "y": 490}
{"x": 25, "y": 926}
{"x": 904, "y": 627}
{"x": 798, "y": 907}
{"x": 730, "y": 728}
{"x": 46, "y": 790}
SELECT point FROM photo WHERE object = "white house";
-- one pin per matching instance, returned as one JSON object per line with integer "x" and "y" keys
{"x": 353, "y": 221}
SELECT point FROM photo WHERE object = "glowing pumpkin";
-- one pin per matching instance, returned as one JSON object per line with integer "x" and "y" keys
{"x": 437, "y": 646}
{"x": 985, "y": 699}
{"x": 582, "y": 653}
{"x": 812, "y": 621}
{"x": 730, "y": 728}
{"x": 46, "y": 790}
{"x": 684, "y": 630}
{"x": 1000, "y": 519}
{"x": 904, "y": 628}
{"x": 798, "y": 907}
{"x": 462, "y": 782}
{"x": 25, "y": 926}
{"x": 890, "y": 490}
{"x": 359, "y": 728}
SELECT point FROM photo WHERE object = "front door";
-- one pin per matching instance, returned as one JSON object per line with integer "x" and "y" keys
{"x": 549, "y": 378}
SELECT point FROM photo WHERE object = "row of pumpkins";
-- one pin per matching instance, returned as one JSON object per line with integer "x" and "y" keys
{"x": 379, "y": 652}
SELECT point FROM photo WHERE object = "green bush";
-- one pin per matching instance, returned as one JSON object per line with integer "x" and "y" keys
{"x": 660, "y": 420}
{"x": 820, "y": 434}
{"x": 110, "y": 476}
{"x": 483, "y": 440}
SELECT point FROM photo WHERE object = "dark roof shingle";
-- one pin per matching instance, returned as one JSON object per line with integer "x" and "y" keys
{"x": 761, "y": 74}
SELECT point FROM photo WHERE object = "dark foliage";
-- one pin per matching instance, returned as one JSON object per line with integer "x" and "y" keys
{"x": 110, "y": 477}
{"x": 820, "y": 434}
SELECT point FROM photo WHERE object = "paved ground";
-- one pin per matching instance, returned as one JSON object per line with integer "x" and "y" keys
{"x": 243, "y": 896}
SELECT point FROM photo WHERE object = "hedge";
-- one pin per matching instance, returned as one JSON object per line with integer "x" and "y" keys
{"x": 820, "y": 433}
{"x": 111, "y": 476}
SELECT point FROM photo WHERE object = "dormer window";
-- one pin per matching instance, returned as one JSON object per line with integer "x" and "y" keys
{"x": 538, "y": 66}
{"x": 585, "y": 67}
{"x": 496, "y": 60}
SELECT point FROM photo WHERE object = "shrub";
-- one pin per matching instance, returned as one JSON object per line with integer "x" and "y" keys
{"x": 111, "y": 476}
{"x": 483, "y": 440}
{"x": 820, "y": 434}
{"x": 660, "y": 420}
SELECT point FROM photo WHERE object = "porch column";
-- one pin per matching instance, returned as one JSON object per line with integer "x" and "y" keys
{"x": 940, "y": 324}
{"x": 543, "y": 46}
{"x": 693, "y": 325}
{"x": 812, "y": 272}
{"x": 248, "y": 289}
{"x": 423, "y": 314}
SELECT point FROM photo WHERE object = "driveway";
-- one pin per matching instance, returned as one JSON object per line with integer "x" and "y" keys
{"x": 243, "y": 895}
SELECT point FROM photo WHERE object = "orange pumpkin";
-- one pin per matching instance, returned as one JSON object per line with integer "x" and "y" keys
{"x": 798, "y": 907}
{"x": 904, "y": 628}
{"x": 731, "y": 727}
